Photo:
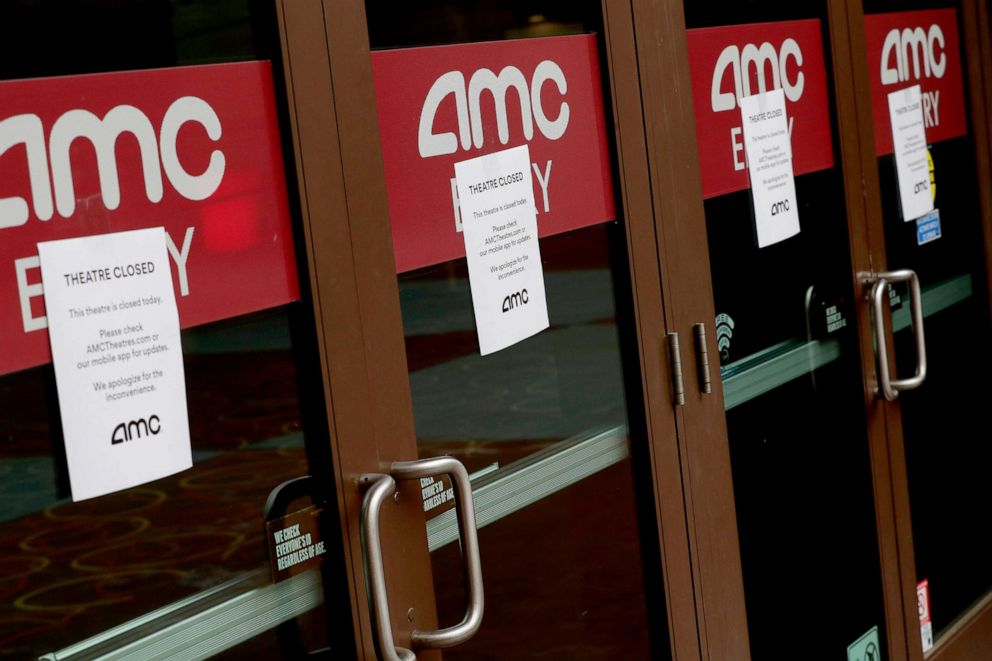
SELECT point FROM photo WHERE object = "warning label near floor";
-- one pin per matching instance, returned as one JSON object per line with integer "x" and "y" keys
{"x": 294, "y": 543}
{"x": 866, "y": 648}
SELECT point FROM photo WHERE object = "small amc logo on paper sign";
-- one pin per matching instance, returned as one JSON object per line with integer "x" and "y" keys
{"x": 128, "y": 431}
{"x": 294, "y": 543}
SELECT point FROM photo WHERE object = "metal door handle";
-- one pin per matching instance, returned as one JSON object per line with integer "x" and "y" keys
{"x": 888, "y": 387}
{"x": 381, "y": 487}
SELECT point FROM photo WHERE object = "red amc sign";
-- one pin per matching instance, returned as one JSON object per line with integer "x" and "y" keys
{"x": 193, "y": 149}
{"x": 444, "y": 104}
{"x": 732, "y": 62}
{"x": 910, "y": 48}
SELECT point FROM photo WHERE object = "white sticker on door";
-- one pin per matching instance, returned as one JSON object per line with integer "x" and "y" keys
{"x": 909, "y": 141}
{"x": 114, "y": 331}
{"x": 769, "y": 163}
{"x": 923, "y": 606}
{"x": 504, "y": 261}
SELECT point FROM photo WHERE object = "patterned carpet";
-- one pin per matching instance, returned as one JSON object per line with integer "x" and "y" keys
{"x": 72, "y": 570}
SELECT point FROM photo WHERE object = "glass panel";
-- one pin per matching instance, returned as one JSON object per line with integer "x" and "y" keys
{"x": 788, "y": 346}
{"x": 946, "y": 455}
{"x": 548, "y": 425}
{"x": 82, "y": 579}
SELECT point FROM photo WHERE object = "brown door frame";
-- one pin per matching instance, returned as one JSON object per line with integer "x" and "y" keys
{"x": 684, "y": 259}
{"x": 652, "y": 326}
{"x": 681, "y": 231}
{"x": 349, "y": 254}
{"x": 971, "y": 636}
{"x": 355, "y": 298}
{"x": 682, "y": 243}
{"x": 977, "y": 43}
{"x": 863, "y": 200}
{"x": 356, "y": 303}
{"x": 852, "y": 80}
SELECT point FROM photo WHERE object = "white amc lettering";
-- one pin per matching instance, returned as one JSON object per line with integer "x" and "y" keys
{"x": 761, "y": 58}
{"x": 921, "y": 46}
{"x": 468, "y": 110}
{"x": 915, "y": 43}
{"x": 102, "y": 134}
{"x": 469, "y": 113}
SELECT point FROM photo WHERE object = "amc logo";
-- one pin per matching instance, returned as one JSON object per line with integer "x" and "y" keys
{"x": 158, "y": 152}
{"x": 924, "y": 49}
{"x": 761, "y": 60}
{"x": 515, "y": 300}
{"x": 780, "y": 207}
{"x": 468, "y": 102}
{"x": 129, "y": 431}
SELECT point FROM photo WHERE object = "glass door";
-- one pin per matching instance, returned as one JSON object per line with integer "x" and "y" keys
{"x": 786, "y": 329}
{"x": 550, "y": 429}
{"x": 922, "y": 46}
{"x": 177, "y": 566}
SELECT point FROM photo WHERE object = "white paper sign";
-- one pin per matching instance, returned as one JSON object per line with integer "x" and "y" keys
{"x": 909, "y": 141}
{"x": 768, "y": 149}
{"x": 504, "y": 261}
{"x": 114, "y": 330}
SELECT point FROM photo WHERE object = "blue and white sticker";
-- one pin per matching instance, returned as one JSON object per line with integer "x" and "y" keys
{"x": 928, "y": 227}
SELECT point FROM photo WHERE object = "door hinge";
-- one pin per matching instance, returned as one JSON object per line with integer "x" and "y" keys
{"x": 675, "y": 359}
{"x": 702, "y": 359}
